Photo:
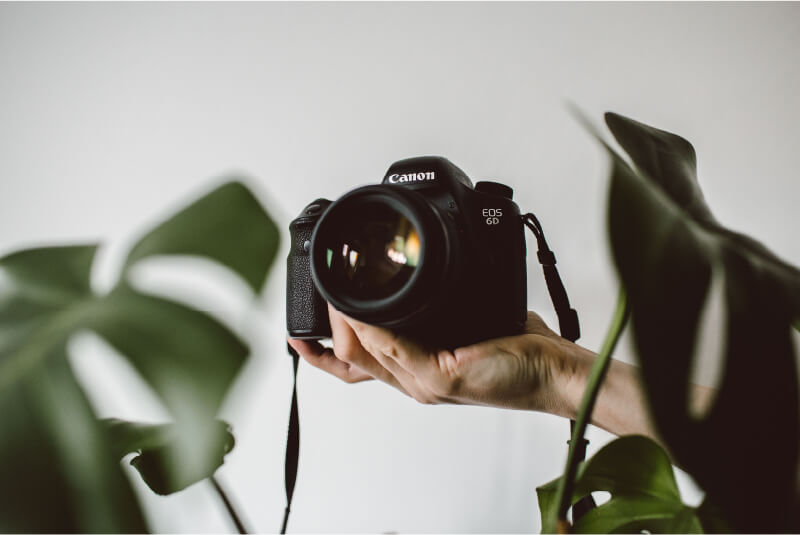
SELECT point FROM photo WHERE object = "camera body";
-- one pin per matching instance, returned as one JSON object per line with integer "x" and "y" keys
{"x": 425, "y": 254}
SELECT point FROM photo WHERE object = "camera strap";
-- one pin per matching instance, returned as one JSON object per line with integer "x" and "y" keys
{"x": 568, "y": 326}
{"x": 292, "y": 442}
{"x": 567, "y": 316}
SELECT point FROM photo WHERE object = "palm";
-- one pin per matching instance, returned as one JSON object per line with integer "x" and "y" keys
{"x": 508, "y": 372}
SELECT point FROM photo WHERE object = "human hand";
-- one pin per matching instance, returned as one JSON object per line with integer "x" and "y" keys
{"x": 530, "y": 371}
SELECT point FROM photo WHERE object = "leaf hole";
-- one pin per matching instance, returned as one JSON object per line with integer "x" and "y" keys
{"x": 601, "y": 497}
{"x": 198, "y": 282}
{"x": 708, "y": 362}
{"x": 113, "y": 386}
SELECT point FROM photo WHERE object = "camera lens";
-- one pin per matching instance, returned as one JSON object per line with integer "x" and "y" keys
{"x": 373, "y": 253}
{"x": 378, "y": 254}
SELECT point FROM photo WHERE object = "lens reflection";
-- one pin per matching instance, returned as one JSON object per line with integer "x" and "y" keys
{"x": 373, "y": 253}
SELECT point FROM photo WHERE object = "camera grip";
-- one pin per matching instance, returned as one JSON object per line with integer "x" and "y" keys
{"x": 306, "y": 310}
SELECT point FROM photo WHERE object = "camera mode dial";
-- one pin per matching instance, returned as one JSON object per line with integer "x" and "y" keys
{"x": 494, "y": 188}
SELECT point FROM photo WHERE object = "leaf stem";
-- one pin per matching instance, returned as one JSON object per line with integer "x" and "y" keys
{"x": 231, "y": 511}
{"x": 596, "y": 377}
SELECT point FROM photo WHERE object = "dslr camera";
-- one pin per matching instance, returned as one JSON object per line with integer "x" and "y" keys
{"x": 425, "y": 254}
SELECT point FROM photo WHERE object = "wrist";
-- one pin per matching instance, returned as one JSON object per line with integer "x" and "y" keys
{"x": 570, "y": 375}
{"x": 620, "y": 406}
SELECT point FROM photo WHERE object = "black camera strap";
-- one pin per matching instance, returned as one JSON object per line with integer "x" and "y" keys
{"x": 567, "y": 316}
{"x": 292, "y": 442}
{"x": 568, "y": 326}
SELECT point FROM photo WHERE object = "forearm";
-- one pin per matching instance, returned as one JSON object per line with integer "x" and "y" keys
{"x": 621, "y": 406}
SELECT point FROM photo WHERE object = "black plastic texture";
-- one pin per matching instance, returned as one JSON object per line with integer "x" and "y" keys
{"x": 306, "y": 310}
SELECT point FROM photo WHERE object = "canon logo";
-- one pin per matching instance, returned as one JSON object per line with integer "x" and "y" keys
{"x": 412, "y": 177}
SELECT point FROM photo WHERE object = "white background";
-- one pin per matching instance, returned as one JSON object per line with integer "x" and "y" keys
{"x": 112, "y": 115}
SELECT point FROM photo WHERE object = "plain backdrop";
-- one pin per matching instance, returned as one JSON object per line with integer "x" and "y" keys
{"x": 112, "y": 115}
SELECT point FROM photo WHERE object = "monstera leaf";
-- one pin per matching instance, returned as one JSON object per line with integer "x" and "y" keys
{"x": 158, "y": 447}
{"x": 644, "y": 496}
{"x": 666, "y": 245}
{"x": 59, "y": 470}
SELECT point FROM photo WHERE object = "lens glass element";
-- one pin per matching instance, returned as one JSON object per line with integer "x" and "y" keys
{"x": 371, "y": 253}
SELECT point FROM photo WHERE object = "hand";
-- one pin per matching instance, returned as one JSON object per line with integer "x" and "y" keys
{"x": 531, "y": 371}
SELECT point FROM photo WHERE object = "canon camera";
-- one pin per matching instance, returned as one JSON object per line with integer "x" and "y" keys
{"x": 425, "y": 254}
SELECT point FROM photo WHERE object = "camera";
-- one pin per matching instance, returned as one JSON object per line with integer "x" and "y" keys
{"x": 424, "y": 253}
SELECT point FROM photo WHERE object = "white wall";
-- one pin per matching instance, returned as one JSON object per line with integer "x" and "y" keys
{"x": 112, "y": 114}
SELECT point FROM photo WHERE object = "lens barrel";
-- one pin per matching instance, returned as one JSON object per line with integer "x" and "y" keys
{"x": 378, "y": 253}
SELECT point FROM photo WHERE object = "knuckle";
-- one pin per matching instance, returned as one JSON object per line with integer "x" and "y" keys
{"x": 390, "y": 351}
{"x": 448, "y": 381}
{"x": 345, "y": 350}
{"x": 390, "y": 347}
{"x": 425, "y": 398}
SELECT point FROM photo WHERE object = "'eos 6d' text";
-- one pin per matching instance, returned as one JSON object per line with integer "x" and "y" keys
{"x": 492, "y": 215}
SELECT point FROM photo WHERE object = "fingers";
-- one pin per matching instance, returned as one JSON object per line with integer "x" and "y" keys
{"x": 323, "y": 358}
{"x": 348, "y": 360}
{"x": 362, "y": 351}
{"x": 428, "y": 377}
{"x": 348, "y": 348}
{"x": 407, "y": 355}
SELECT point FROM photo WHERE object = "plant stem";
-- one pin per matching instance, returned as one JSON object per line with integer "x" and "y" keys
{"x": 231, "y": 511}
{"x": 596, "y": 377}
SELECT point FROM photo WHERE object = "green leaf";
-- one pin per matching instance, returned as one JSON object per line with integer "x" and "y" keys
{"x": 57, "y": 472}
{"x": 159, "y": 446}
{"x": 547, "y": 496}
{"x": 40, "y": 304}
{"x": 189, "y": 359}
{"x": 666, "y": 245}
{"x": 668, "y": 161}
{"x": 631, "y": 464}
{"x": 644, "y": 495}
{"x": 55, "y": 274}
{"x": 228, "y": 226}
